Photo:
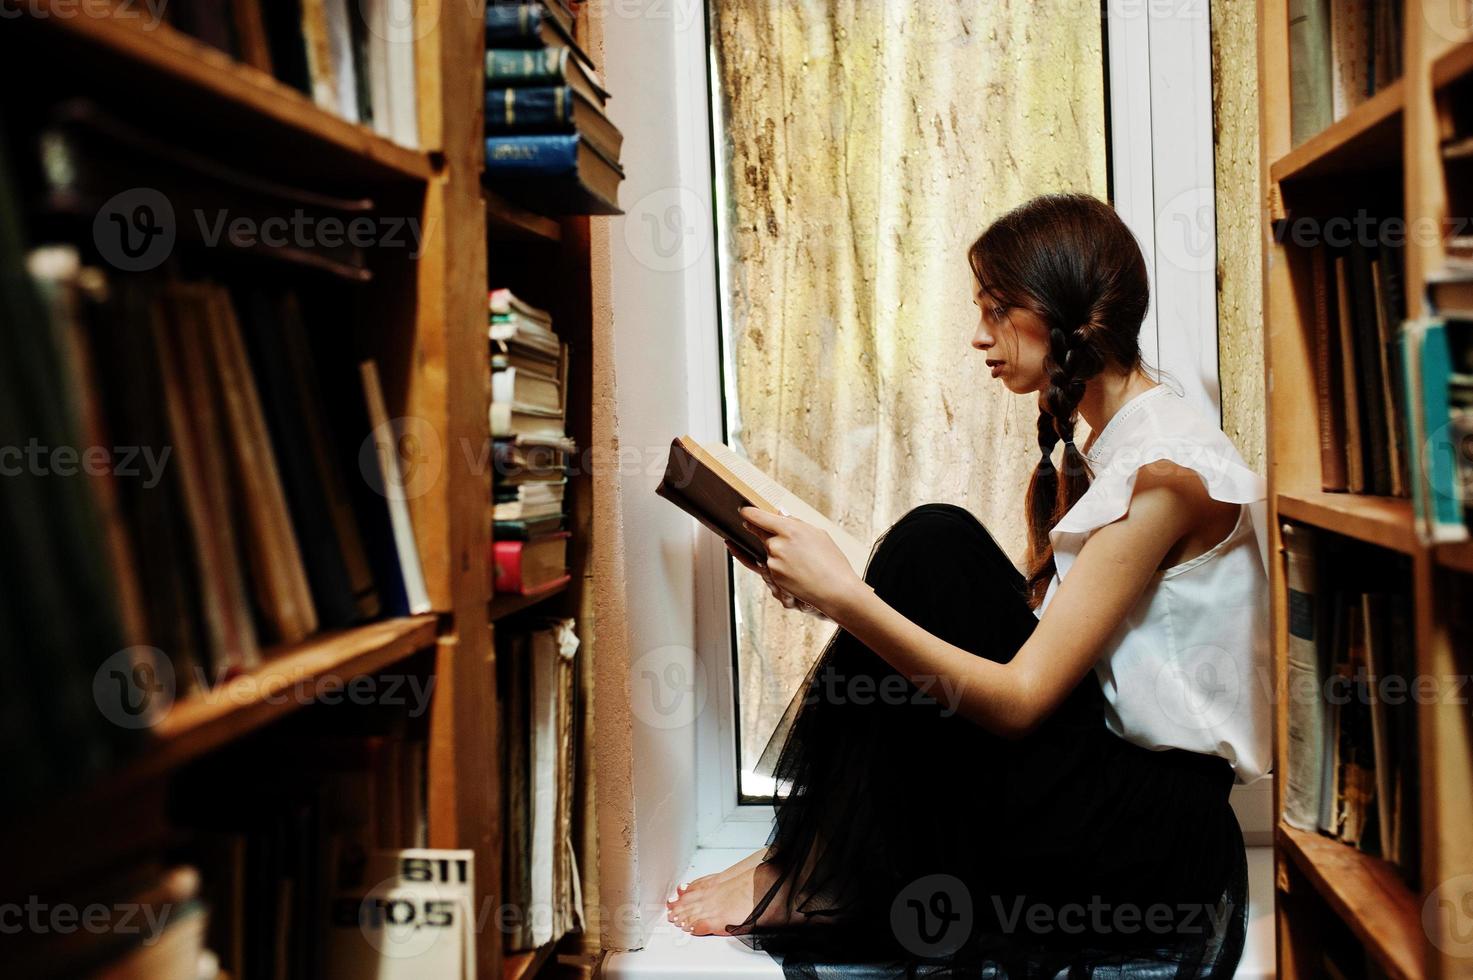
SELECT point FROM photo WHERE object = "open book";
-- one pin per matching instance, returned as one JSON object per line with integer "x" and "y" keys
{"x": 711, "y": 483}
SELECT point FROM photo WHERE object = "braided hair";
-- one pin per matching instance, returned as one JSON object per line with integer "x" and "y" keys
{"x": 1071, "y": 261}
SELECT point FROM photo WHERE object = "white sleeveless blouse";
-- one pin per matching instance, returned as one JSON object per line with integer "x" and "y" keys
{"x": 1188, "y": 667}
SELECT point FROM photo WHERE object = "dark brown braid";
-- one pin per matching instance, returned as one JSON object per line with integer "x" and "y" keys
{"x": 1070, "y": 260}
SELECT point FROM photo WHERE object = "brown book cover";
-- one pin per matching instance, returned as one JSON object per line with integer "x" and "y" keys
{"x": 1355, "y": 450}
{"x": 178, "y": 326}
{"x": 1328, "y": 386}
{"x": 282, "y": 591}
{"x": 250, "y": 34}
{"x": 712, "y": 483}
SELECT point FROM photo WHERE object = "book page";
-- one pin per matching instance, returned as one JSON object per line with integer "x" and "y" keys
{"x": 778, "y": 495}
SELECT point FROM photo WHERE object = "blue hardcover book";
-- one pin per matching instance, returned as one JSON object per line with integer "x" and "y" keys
{"x": 513, "y": 26}
{"x": 529, "y": 109}
{"x": 532, "y": 155}
{"x": 1437, "y": 499}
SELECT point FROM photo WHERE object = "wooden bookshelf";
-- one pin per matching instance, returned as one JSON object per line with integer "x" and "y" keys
{"x": 523, "y": 966}
{"x": 1367, "y": 892}
{"x": 205, "y": 721}
{"x": 1383, "y": 157}
{"x": 1382, "y": 521}
{"x": 210, "y": 80}
{"x": 505, "y": 606}
{"x": 1368, "y": 136}
{"x": 506, "y": 221}
{"x": 423, "y": 320}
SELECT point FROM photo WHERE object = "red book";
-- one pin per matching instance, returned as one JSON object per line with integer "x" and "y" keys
{"x": 533, "y": 566}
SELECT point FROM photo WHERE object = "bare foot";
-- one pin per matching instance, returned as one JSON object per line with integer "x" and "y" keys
{"x": 715, "y": 907}
{"x": 705, "y": 881}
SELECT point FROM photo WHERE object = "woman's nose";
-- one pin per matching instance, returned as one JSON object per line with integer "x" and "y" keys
{"x": 982, "y": 340}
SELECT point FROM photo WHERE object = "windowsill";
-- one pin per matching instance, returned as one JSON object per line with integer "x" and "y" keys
{"x": 673, "y": 954}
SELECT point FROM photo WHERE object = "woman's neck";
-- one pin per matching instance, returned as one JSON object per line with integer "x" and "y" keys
{"x": 1105, "y": 393}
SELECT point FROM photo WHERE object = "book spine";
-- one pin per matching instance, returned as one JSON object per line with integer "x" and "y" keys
{"x": 513, "y": 26}
{"x": 1305, "y": 707}
{"x": 532, "y": 155}
{"x": 1368, "y": 360}
{"x": 527, "y": 109}
{"x": 1445, "y": 492}
{"x": 506, "y": 560}
{"x": 1310, "y": 74}
{"x": 1331, "y": 416}
{"x": 540, "y": 66}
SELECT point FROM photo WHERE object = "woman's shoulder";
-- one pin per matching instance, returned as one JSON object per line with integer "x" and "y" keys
{"x": 1165, "y": 439}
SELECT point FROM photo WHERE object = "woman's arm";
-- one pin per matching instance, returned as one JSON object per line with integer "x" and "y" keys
{"x": 1109, "y": 575}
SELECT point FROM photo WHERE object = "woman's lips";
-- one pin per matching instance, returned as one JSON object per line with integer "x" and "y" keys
{"x": 996, "y": 367}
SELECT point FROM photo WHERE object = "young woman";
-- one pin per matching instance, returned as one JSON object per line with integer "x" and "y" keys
{"x": 1029, "y": 772}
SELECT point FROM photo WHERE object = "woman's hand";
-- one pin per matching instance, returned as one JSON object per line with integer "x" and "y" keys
{"x": 787, "y": 600}
{"x": 803, "y": 561}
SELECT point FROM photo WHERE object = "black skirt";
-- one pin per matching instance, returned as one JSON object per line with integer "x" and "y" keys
{"x": 911, "y": 842}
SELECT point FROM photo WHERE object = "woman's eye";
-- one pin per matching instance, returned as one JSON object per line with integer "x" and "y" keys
{"x": 998, "y": 311}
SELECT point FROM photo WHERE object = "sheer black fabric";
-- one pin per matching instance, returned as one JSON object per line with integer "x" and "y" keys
{"x": 914, "y": 843}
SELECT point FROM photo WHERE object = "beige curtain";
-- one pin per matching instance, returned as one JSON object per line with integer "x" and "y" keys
{"x": 866, "y": 144}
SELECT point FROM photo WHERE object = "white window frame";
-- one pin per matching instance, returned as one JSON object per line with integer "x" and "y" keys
{"x": 1160, "y": 103}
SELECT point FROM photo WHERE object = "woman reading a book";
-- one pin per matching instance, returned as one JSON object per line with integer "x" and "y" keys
{"x": 1038, "y": 776}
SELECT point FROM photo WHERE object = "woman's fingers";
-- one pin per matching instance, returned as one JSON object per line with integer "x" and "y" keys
{"x": 744, "y": 561}
{"x": 761, "y": 520}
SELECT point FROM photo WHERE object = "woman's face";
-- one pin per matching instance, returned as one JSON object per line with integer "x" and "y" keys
{"x": 1015, "y": 341}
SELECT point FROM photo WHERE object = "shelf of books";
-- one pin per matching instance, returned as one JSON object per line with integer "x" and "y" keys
{"x": 244, "y": 393}
{"x": 1368, "y": 303}
{"x": 551, "y": 165}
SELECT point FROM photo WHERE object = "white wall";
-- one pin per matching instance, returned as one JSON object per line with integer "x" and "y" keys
{"x": 659, "y": 251}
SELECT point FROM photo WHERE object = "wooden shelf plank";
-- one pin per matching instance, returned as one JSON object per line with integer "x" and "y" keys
{"x": 503, "y": 606}
{"x": 506, "y": 221}
{"x": 523, "y": 966}
{"x": 205, "y": 721}
{"x": 1368, "y": 136}
{"x": 1454, "y": 65}
{"x": 1383, "y": 521}
{"x": 1367, "y": 893}
{"x": 1458, "y": 557}
{"x": 246, "y": 92}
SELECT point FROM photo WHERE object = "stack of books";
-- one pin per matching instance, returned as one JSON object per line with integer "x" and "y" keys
{"x": 549, "y": 145}
{"x": 1341, "y": 53}
{"x": 355, "y": 60}
{"x": 529, "y": 369}
{"x": 1352, "y": 696}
